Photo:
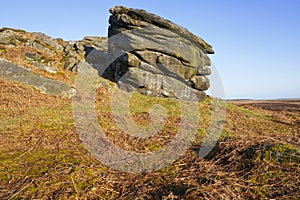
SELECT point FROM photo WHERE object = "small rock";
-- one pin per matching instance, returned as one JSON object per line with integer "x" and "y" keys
{"x": 32, "y": 56}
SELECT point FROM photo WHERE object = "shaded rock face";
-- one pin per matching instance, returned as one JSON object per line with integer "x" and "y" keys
{"x": 159, "y": 57}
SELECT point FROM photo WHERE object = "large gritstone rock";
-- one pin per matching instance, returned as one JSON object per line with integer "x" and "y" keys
{"x": 156, "y": 56}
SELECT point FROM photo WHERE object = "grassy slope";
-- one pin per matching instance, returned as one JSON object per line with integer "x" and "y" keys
{"x": 41, "y": 155}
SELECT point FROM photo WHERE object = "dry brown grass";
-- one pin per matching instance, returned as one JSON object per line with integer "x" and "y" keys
{"x": 41, "y": 155}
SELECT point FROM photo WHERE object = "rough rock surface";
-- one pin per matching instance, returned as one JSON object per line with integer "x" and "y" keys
{"x": 156, "y": 55}
{"x": 15, "y": 73}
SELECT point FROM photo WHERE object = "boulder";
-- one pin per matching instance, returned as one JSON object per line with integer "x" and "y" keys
{"x": 32, "y": 56}
{"x": 48, "y": 42}
{"x": 153, "y": 53}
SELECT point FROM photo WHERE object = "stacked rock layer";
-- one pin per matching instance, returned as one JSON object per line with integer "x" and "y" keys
{"x": 155, "y": 56}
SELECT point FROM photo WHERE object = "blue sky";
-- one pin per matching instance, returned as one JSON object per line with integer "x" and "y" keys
{"x": 256, "y": 42}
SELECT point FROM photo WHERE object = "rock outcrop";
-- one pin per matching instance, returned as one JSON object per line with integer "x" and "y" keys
{"x": 35, "y": 49}
{"x": 44, "y": 48}
{"x": 143, "y": 52}
{"x": 39, "y": 53}
{"x": 158, "y": 57}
